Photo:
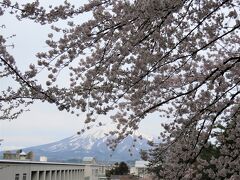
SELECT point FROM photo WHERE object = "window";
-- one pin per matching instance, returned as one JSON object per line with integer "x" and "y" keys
{"x": 24, "y": 176}
{"x": 17, "y": 177}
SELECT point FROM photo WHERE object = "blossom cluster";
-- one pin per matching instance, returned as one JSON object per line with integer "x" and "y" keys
{"x": 178, "y": 58}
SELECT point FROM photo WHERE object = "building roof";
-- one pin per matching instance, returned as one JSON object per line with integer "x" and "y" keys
{"x": 6, "y": 161}
{"x": 37, "y": 162}
{"x": 22, "y": 153}
{"x": 141, "y": 164}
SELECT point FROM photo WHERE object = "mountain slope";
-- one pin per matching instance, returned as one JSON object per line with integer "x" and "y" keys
{"x": 94, "y": 144}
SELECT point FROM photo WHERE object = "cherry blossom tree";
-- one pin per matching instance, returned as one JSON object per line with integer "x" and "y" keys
{"x": 179, "y": 58}
{"x": 14, "y": 99}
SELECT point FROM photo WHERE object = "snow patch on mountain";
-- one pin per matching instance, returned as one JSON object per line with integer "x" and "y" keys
{"x": 93, "y": 144}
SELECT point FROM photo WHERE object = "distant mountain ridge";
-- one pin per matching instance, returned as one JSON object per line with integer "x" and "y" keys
{"x": 91, "y": 144}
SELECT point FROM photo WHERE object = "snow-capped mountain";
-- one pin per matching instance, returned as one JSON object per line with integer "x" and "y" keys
{"x": 92, "y": 144}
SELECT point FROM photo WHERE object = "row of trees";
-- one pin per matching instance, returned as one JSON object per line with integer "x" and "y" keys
{"x": 118, "y": 169}
{"x": 177, "y": 58}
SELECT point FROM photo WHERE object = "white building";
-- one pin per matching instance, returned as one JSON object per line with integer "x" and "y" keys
{"x": 32, "y": 170}
{"x": 94, "y": 171}
{"x": 22, "y": 156}
{"x": 139, "y": 169}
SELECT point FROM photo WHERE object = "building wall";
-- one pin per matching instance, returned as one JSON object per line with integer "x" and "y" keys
{"x": 8, "y": 171}
{"x": 50, "y": 171}
{"x": 41, "y": 172}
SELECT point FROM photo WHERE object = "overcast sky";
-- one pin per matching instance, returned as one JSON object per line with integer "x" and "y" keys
{"x": 43, "y": 123}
